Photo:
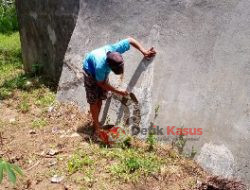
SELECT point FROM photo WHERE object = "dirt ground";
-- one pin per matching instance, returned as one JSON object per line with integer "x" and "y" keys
{"x": 43, "y": 150}
{"x": 43, "y": 140}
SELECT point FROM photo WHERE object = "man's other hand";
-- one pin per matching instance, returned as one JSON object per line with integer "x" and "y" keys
{"x": 149, "y": 53}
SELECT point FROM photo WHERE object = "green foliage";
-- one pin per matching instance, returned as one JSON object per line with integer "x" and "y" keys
{"x": 151, "y": 140}
{"x": 7, "y": 89}
{"x": 36, "y": 69}
{"x": 10, "y": 56}
{"x": 10, "y": 64}
{"x": 180, "y": 143}
{"x": 89, "y": 175}
{"x": 124, "y": 138}
{"x": 78, "y": 161}
{"x": 24, "y": 106}
{"x": 10, "y": 44}
{"x": 12, "y": 76}
{"x": 11, "y": 171}
{"x": 18, "y": 82}
{"x": 39, "y": 123}
{"x": 132, "y": 164}
{"x": 193, "y": 153}
{"x": 8, "y": 17}
{"x": 44, "y": 98}
{"x": 157, "y": 108}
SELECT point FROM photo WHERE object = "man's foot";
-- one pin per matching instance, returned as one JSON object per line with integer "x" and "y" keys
{"x": 102, "y": 136}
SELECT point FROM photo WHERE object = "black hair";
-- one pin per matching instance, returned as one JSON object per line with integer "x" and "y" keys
{"x": 116, "y": 66}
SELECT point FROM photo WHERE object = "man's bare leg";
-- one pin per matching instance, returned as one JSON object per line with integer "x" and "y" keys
{"x": 95, "y": 112}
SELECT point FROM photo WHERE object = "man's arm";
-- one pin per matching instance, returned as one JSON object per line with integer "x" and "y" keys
{"x": 147, "y": 53}
{"x": 108, "y": 87}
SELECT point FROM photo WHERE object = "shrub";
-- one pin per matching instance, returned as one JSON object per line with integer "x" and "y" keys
{"x": 8, "y": 17}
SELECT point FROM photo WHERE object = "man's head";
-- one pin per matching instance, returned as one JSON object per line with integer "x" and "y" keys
{"x": 115, "y": 62}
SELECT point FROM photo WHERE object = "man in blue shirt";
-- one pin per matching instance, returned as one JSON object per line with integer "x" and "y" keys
{"x": 96, "y": 68}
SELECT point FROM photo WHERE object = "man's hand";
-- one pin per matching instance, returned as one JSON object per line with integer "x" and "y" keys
{"x": 108, "y": 87}
{"x": 123, "y": 93}
{"x": 149, "y": 53}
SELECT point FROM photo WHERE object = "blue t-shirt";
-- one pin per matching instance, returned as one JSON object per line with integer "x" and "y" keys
{"x": 95, "y": 61}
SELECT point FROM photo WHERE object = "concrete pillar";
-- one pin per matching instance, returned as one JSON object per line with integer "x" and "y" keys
{"x": 45, "y": 29}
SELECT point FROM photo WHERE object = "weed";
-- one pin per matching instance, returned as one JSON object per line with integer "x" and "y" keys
{"x": 77, "y": 161}
{"x": 24, "y": 106}
{"x": 89, "y": 175}
{"x": 173, "y": 154}
{"x": 55, "y": 172}
{"x": 123, "y": 138}
{"x": 44, "y": 97}
{"x": 10, "y": 169}
{"x": 5, "y": 93}
{"x": 39, "y": 123}
{"x": 157, "y": 108}
{"x": 134, "y": 163}
{"x": 179, "y": 142}
{"x": 16, "y": 83}
{"x": 36, "y": 69}
{"x": 192, "y": 183}
{"x": 151, "y": 140}
{"x": 193, "y": 153}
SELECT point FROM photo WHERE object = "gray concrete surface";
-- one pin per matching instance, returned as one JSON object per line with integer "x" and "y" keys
{"x": 45, "y": 28}
{"x": 199, "y": 78}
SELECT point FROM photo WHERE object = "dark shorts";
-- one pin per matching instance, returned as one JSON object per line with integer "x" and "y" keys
{"x": 93, "y": 91}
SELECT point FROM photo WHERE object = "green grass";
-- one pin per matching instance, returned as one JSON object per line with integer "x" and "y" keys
{"x": 10, "y": 44}
{"x": 13, "y": 78}
{"x": 10, "y": 64}
{"x": 77, "y": 162}
{"x": 10, "y": 57}
{"x": 24, "y": 106}
{"x": 131, "y": 164}
{"x": 44, "y": 97}
{"x": 119, "y": 164}
{"x": 151, "y": 140}
{"x": 39, "y": 123}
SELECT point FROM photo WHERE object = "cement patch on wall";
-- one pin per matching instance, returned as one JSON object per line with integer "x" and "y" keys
{"x": 217, "y": 158}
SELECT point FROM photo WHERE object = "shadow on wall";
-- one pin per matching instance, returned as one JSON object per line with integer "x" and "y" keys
{"x": 143, "y": 65}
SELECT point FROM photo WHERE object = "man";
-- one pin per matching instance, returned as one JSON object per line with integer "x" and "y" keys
{"x": 96, "y": 68}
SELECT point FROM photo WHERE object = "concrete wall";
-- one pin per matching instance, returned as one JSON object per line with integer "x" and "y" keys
{"x": 45, "y": 28}
{"x": 199, "y": 78}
